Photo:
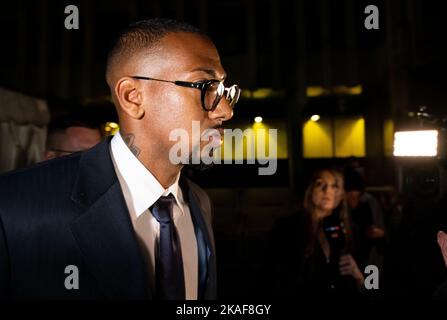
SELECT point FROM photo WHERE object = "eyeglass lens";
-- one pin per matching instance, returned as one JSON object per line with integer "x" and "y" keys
{"x": 216, "y": 90}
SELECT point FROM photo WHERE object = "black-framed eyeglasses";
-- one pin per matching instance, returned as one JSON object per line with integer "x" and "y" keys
{"x": 212, "y": 91}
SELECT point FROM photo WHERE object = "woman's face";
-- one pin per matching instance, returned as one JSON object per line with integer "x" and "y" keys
{"x": 327, "y": 192}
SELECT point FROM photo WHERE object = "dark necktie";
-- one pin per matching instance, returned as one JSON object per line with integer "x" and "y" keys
{"x": 170, "y": 281}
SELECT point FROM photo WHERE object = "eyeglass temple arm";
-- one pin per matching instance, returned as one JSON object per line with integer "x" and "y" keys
{"x": 147, "y": 78}
{"x": 195, "y": 85}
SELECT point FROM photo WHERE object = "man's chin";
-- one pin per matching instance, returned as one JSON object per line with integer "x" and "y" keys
{"x": 200, "y": 166}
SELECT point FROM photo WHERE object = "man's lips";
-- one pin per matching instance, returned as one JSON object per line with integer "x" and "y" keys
{"x": 214, "y": 135}
{"x": 214, "y": 131}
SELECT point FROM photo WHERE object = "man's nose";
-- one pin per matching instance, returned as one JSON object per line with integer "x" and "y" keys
{"x": 223, "y": 111}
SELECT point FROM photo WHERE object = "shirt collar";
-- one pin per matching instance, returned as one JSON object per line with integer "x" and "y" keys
{"x": 143, "y": 187}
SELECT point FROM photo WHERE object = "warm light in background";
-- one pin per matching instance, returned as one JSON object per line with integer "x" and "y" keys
{"x": 262, "y": 93}
{"x": 346, "y": 90}
{"x": 113, "y": 125}
{"x": 388, "y": 137}
{"x": 110, "y": 128}
{"x": 349, "y": 137}
{"x": 314, "y": 91}
{"x": 311, "y": 92}
{"x": 315, "y": 118}
{"x": 422, "y": 143}
{"x": 317, "y": 139}
{"x": 317, "y": 91}
{"x": 258, "y": 119}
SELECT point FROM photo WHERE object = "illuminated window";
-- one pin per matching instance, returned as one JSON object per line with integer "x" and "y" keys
{"x": 349, "y": 137}
{"x": 334, "y": 137}
{"x": 388, "y": 137}
{"x": 255, "y": 134}
{"x": 317, "y": 139}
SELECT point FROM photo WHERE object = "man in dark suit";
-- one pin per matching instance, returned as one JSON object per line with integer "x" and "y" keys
{"x": 119, "y": 220}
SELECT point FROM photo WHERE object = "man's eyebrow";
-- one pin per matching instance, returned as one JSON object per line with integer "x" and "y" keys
{"x": 211, "y": 72}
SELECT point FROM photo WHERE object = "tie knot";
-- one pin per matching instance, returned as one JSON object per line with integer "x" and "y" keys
{"x": 162, "y": 209}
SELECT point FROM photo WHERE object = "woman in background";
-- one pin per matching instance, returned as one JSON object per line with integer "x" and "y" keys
{"x": 314, "y": 249}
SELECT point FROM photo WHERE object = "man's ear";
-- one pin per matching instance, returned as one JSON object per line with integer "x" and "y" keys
{"x": 129, "y": 95}
{"x": 442, "y": 242}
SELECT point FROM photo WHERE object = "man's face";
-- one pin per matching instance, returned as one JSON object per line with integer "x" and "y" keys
{"x": 353, "y": 198}
{"x": 74, "y": 139}
{"x": 186, "y": 57}
{"x": 80, "y": 138}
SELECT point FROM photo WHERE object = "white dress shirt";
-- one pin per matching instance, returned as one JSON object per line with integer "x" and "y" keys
{"x": 141, "y": 190}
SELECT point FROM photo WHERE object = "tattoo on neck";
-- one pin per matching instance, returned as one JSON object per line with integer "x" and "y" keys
{"x": 129, "y": 140}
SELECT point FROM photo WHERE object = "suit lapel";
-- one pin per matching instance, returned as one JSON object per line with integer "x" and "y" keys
{"x": 104, "y": 232}
{"x": 204, "y": 244}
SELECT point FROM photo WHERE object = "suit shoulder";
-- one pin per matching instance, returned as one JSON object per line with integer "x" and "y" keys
{"x": 43, "y": 167}
{"x": 39, "y": 177}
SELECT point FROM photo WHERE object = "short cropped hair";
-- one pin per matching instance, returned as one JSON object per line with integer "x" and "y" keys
{"x": 59, "y": 125}
{"x": 142, "y": 35}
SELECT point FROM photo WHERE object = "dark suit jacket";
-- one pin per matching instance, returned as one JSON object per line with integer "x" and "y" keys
{"x": 71, "y": 211}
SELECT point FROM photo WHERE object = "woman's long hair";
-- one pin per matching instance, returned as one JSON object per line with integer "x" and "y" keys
{"x": 313, "y": 224}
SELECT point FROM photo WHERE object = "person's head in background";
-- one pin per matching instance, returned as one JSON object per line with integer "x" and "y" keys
{"x": 324, "y": 197}
{"x": 324, "y": 193}
{"x": 68, "y": 135}
{"x": 354, "y": 186}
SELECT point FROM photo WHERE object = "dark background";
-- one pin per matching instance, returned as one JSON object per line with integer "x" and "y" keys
{"x": 282, "y": 45}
